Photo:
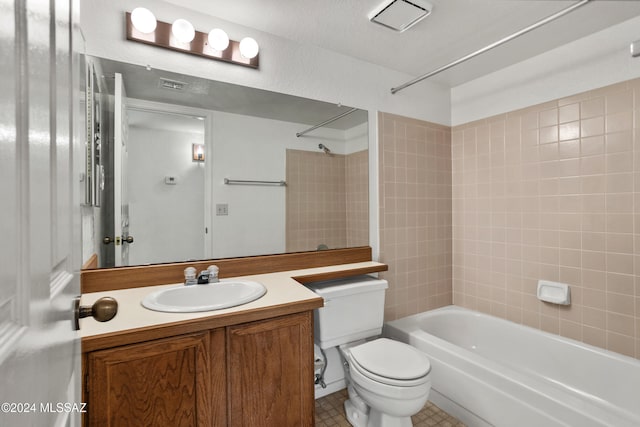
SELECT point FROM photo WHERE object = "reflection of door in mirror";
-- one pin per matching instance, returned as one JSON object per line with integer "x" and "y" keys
{"x": 166, "y": 194}
{"x": 120, "y": 191}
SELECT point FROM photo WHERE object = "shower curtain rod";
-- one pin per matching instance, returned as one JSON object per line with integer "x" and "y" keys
{"x": 326, "y": 122}
{"x": 531, "y": 27}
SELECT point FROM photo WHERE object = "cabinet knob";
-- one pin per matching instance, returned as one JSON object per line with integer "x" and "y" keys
{"x": 102, "y": 310}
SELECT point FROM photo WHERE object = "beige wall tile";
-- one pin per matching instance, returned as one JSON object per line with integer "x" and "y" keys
{"x": 592, "y": 108}
{"x": 542, "y": 192}
{"x": 619, "y": 141}
{"x": 592, "y": 145}
{"x": 562, "y": 202}
{"x": 622, "y": 304}
{"x": 571, "y": 330}
{"x": 571, "y": 130}
{"x": 592, "y": 127}
{"x": 316, "y": 201}
{"x": 594, "y": 336}
{"x": 621, "y": 344}
{"x": 569, "y": 113}
{"x": 417, "y": 209}
{"x": 620, "y": 101}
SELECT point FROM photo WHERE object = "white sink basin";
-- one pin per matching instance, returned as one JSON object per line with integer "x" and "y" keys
{"x": 213, "y": 296}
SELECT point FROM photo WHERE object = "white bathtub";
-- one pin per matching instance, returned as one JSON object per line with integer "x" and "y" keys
{"x": 489, "y": 371}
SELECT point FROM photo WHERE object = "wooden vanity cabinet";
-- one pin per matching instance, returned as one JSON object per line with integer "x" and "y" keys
{"x": 271, "y": 372}
{"x": 165, "y": 382}
{"x": 251, "y": 374}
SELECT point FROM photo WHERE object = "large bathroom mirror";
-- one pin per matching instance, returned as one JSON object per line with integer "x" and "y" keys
{"x": 194, "y": 169}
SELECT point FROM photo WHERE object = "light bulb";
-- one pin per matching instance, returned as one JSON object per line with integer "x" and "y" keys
{"x": 218, "y": 39}
{"x": 249, "y": 47}
{"x": 183, "y": 31}
{"x": 143, "y": 20}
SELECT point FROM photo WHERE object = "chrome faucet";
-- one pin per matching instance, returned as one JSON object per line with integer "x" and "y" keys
{"x": 210, "y": 275}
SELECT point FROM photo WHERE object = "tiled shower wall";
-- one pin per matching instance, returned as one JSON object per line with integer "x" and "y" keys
{"x": 415, "y": 214}
{"x": 552, "y": 192}
{"x": 320, "y": 189}
{"x": 357, "y": 197}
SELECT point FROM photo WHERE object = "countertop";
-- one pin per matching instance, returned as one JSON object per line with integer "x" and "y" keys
{"x": 284, "y": 295}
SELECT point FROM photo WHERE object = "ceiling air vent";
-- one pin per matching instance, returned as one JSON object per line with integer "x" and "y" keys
{"x": 400, "y": 15}
{"x": 171, "y": 84}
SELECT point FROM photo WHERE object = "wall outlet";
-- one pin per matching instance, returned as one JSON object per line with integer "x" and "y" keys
{"x": 222, "y": 209}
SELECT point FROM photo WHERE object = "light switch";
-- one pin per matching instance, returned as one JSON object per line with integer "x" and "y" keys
{"x": 222, "y": 209}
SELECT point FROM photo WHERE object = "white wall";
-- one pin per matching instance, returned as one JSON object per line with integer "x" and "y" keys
{"x": 90, "y": 238}
{"x": 356, "y": 139}
{"x": 157, "y": 210}
{"x": 252, "y": 148}
{"x": 594, "y": 61}
{"x": 285, "y": 66}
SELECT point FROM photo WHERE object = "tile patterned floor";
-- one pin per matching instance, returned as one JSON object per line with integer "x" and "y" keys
{"x": 330, "y": 413}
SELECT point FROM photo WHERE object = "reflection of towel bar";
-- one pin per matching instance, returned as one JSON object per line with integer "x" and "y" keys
{"x": 245, "y": 182}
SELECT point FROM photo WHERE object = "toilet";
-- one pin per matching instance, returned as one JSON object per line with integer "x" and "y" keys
{"x": 388, "y": 381}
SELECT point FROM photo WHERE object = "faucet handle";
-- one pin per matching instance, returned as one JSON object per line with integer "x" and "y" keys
{"x": 213, "y": 273}
{"x": 190, "y": 276}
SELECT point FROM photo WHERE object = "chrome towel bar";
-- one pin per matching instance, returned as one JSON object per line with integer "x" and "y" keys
{"x": 248, "y": 182}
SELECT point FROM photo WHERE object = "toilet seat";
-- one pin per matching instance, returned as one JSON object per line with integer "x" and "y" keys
{"x": 390, "y": 362}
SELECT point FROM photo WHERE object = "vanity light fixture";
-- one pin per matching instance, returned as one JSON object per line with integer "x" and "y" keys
{"x": 143, "y": 20}
{"x": 198, "y": 152}
{"x": 219, "y": 40}
{"x": 183, "y": 30}
{"x": 249, "y": 48}
{"x": 181, "y": 36}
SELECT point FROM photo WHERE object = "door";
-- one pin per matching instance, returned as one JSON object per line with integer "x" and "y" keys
{"x": 271, "y": 372}
{"x": 120, "y": 161}
{"x": 165, "y": 183}
{"x": 40, "y": 253}
{"x": 163, "y": 382}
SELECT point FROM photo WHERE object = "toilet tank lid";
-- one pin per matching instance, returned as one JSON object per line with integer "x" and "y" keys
{"x": 347, "y": 286}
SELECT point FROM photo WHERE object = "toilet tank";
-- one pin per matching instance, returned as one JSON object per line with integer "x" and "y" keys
{"x": 353, "y": 310}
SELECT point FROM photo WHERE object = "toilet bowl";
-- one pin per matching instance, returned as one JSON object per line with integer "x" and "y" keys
{"x": 388, "y": 382}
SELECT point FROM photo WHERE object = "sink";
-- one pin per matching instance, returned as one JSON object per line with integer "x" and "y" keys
{"x": 209, "y": 297}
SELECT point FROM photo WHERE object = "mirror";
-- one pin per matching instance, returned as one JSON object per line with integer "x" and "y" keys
{"x": 194, "y": 169}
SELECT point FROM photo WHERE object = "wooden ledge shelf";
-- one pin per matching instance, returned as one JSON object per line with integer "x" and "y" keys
{"x": 310, "y": 278}
{"x": 109, "y": 279}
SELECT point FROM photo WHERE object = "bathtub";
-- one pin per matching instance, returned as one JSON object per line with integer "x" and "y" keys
{"x": 489, "y": 371}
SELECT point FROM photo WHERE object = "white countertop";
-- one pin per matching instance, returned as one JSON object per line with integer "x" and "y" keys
{"x": 281, "y": 289}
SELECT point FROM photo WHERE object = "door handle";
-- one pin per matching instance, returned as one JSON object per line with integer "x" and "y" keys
{"x": 117, "y": 240}
{"x": 102, "y": 310}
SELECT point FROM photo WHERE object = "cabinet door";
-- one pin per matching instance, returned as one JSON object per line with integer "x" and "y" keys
{"x": 158, "y": 383}
{"x": 271, "y": 372}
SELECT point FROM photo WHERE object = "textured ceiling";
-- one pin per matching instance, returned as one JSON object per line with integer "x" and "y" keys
{"x": 454, "y": 29}
{"x": 141, "y": 83}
